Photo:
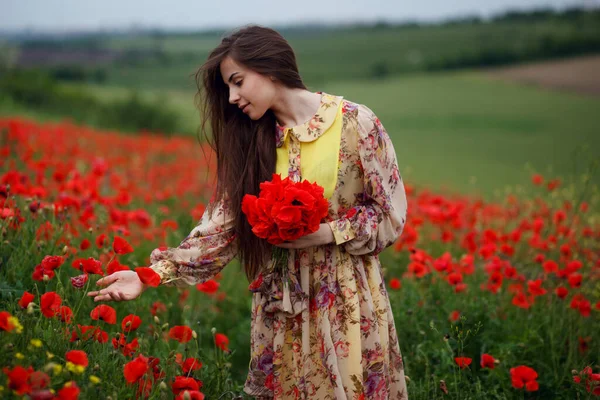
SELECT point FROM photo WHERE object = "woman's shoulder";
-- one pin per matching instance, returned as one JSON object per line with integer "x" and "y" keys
{"x": 358, "y": 113}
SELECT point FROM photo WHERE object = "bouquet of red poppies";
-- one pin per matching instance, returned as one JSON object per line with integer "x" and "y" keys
{"x": 285, "y": 211}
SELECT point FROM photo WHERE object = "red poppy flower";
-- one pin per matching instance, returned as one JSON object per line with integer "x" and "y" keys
{"x": 190, "y": 364}
{"x": 454, "y": 316}
{"x": 85, "y": 244}
{"x": 18, "y": 379}
{"x": 5, "y": 324}
{"x": 537, "y": 179}
{"x": 70, "y": 391}
{"x": 52, "y": 262}
{"x": 520, "y": 300}
{"x": 190, "y": 394}
{"x": 130, "y": 323}
{"x": 105, "y": 313}
{"x": 89, "y": 265}
{"x": 148, "y": 276}
{"x": 135, "y": 369}
{"x": 184, "y": 383}
{"x": 535, "y": 287}
{"x": 78, "y": 282}
{"x": 580, "y": 303}
{"x": 575, "y": 280}
{"x": 115, "y": 266}
{"x": 101, "y": 240}
{"x": 181, "y": 333}
{"x": 26, "y": 299}
{"x": 487, "y": 361}
{"x": 65, "y": 314}
{"x": 523, "y": 376}
{"x": 40, "y": 272}
{"x": 561, "y": 292}
{"x": 121, "y": 246}
{"x": 77, "y": 357}
{"x": 38, "y": 381}
{"x": 550, "y": 266}
{"x": 157, "y": 307}
{"x": 128, "y": 349}
{"x": 89, "y": 332}
{"x": 222, "y": 341}
{"x": 50, "y": 303}
{"x": 463, "y": 362}
{"x": 395, "y": 283}
{"x": 208, "y": 287}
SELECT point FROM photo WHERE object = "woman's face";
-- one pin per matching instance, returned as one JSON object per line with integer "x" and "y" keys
{"x": 252, "y": 92}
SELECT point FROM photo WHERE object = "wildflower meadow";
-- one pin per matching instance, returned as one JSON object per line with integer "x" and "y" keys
{"x": 492, "y": 299}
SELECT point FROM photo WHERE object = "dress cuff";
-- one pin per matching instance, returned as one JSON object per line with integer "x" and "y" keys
{"x": 342, "y": 230}
{"x": 165, "y": 269}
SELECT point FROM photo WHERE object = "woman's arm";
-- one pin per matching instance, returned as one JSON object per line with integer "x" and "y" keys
{"x": 209, "y": 247}
{"x": 378, "y": 220}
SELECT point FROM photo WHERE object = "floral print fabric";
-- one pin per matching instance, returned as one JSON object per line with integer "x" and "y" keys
{"x": 339, "y": 340}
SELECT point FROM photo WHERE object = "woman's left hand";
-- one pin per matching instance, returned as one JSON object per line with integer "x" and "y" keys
{"x": 322, "y": 236}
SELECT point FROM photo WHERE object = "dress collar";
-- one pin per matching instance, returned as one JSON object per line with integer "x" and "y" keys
{"x": 316, "y": 126}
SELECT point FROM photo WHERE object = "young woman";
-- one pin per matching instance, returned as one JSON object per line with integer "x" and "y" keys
{"x": 332, "y": 335}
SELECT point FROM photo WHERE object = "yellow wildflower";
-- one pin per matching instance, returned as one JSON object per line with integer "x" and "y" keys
{"x": 94, "y": 379}
{"x": 20, "y": 356}
{"x": 36, "y": 342}
{"x": 77, "y": 369}
{"x": 54, "y": 367}
{"x": 14, "y": 321}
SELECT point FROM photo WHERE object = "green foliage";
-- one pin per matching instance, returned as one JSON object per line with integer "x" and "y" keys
{"x": 38, "y": 90}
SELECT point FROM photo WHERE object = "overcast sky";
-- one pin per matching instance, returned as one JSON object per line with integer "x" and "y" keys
{"x": 64, "y": 15}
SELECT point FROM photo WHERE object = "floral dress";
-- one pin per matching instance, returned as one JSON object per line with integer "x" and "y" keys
{"x": 334, "y": 337}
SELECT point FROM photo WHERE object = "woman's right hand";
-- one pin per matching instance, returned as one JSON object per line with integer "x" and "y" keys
{"x": 123, "y": 285}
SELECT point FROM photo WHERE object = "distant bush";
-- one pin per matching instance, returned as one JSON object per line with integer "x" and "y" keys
{"x": 39, "y": 90}
{"x": 380, "y": 70}
{"x": 78, "y": 73}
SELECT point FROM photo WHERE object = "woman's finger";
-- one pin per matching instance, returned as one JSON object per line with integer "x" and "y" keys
{"x": 115, "y": 296}
{"x": 107, "y": 280}
{"x": 102, "y": 297}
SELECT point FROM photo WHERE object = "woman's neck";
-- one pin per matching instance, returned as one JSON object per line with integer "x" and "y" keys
{"x": 294, "y": 107}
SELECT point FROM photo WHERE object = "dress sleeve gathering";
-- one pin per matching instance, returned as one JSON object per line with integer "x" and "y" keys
{"x": 376, "y": 221}
{"x": 209, "y": 247}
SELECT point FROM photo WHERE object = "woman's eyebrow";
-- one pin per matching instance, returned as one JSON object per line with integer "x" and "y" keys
{"x": 231, "y": 76}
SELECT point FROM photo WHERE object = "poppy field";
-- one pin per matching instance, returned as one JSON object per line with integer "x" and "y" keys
{"x": 492, "y": 299}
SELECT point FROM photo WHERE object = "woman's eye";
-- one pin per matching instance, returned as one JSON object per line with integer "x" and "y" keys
{"x": 238, "y": 83}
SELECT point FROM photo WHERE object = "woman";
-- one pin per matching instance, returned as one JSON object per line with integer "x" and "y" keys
{"x": 332, "y": 335}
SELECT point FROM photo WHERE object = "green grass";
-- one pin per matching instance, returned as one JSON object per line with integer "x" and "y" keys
{"x": 462, "y": 130}
{"x": 356, "y": 53}
{"x": 474, "y": 134}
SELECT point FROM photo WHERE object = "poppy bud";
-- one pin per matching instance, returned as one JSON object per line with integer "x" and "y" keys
{"x": 156, "y": 319}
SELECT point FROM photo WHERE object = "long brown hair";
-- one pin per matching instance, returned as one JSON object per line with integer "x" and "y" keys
{"x": 245, "y": 149}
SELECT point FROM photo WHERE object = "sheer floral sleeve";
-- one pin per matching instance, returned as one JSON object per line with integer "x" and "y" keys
{"x": 209, "y": 247}
{"x": 376, "y": 221}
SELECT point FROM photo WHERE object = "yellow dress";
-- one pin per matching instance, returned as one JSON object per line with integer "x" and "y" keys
{"x": 332, "y": 336}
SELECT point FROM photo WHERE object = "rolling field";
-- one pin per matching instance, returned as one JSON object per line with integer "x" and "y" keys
{"x": 462, "y": 131}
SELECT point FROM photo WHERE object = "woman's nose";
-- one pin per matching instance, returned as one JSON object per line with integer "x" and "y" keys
{"x": 233, "y": 97}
